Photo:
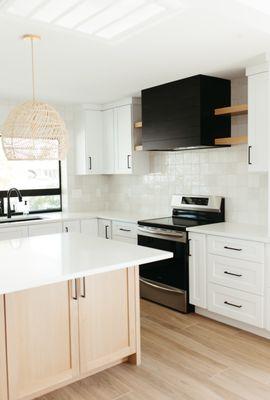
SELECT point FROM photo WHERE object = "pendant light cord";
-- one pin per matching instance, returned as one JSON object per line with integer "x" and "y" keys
{"x": 33, "y": 69}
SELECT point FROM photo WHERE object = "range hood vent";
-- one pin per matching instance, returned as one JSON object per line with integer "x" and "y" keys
{"x": 180, "y": 115}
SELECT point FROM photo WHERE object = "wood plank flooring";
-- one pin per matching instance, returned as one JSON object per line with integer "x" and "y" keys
{"x": 185, "y": 357}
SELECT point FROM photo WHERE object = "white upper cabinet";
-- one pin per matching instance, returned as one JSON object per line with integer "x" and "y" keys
{"x": 108, "y": 117}
{"x": 89, "y": 142}
{"x": 106, "y": 140}
{"x": 258, "y": 117}
{"x": 123, "y": 136}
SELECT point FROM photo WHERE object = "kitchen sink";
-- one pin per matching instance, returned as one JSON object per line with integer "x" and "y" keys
{"x": 5, "y": 220}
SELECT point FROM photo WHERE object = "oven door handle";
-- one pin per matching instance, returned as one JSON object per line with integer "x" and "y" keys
{"x": 179, "y": 235}
{"x": 147, "y": 282}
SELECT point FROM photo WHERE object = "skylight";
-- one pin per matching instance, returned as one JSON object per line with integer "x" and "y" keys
{"x": 261, "y": 5}
{"x": 104, "y": 19}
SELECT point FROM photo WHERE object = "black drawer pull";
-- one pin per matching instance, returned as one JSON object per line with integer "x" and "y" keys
{"x": 231, "y": 273}
{"x": 232, "y": 248}
{"x": 233, "y": 305}
{"x": 124, "y": 230}
{"x": 249, "y": 158}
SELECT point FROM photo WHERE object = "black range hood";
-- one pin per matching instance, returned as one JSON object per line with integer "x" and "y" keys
{"x": 180, "y": 115}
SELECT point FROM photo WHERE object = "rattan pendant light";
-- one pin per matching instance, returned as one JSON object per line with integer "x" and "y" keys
{"x": 34, "y": 130}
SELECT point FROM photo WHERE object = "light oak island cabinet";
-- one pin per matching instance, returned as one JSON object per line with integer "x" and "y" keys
{"x": 59, "y": 333}
{"x": 42, "y": 340}
{"x": 3, "y": 370}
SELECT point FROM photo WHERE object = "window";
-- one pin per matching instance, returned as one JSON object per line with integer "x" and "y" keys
{"x": 38, "y": 181}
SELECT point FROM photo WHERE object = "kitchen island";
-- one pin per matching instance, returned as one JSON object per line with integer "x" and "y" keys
{"x": 69, "y": 307}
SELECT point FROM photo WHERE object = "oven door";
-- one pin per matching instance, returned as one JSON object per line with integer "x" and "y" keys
{"x": 166, "y": 281}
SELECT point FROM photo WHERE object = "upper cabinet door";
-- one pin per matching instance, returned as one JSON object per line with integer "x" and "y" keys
{"x": 124, "y": 139}
{"x": 94, "y": 141}
{"x": 108, "y": 141}
{"x": 258, "y": 121}
{"x": 42, "y": 339}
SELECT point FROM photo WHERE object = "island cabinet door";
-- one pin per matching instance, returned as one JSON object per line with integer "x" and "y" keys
{"x": 42, "y": 340}
{"x": 3, "y": 370}
{"x": 107, "y": 319}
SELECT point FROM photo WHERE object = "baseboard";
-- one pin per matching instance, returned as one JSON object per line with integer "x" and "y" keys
{"x": 229, "y": 321}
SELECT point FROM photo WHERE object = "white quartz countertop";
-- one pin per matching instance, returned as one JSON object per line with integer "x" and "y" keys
{"x": 69, "y": 216}
{"x": 41, "y": 260}
{"x": 237, "y": 231}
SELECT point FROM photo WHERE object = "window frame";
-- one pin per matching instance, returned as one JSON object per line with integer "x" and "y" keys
{"x": 35, "y": 193}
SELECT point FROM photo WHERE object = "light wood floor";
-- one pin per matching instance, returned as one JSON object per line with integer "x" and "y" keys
{"x": 183, "y": 357}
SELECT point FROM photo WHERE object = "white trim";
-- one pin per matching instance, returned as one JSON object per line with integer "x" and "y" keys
{"x": 237, "y": 324}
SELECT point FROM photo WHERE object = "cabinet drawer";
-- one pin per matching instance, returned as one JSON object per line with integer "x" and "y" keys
{"x": 125, "y": 229}
{"x": 235, "y": 304}
{"x": 45, "y": 229}
{"x": 236, "y": 248}
{"x": 237, "y": 274}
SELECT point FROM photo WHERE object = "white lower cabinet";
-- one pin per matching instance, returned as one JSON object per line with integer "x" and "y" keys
{"x": 244, "y": 307}
{"x": 72, "y": 226}
{"x": 197, "y": 269}
{"x": 16, "y": 232}
{"x": 227, "y": 277}
{"x": 89, "y": 227}
{"x": 105, "y": 228}
{"x": 45, "y": 229}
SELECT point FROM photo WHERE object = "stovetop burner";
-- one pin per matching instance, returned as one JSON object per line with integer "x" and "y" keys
{"x": 190, "y": 211}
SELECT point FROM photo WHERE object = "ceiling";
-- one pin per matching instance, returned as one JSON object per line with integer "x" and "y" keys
{"x": 216, "y": 37}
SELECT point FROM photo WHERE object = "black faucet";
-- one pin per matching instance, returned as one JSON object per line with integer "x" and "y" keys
{"x": 9, "y": 211}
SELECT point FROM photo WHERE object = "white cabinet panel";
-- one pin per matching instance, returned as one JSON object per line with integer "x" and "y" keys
{"x": 197, "y": 269}
{"x": 236, "y": 248}
{"x": 94, "y": 141}
{"x": 15, "y": 232}
{"x": 124, "y": 139}
{"x": 105, "y": 228}
{"x": 89, "y": 142}
{"x": 258, "y": 121}
{"x": 72, "y": 226}
{"x": 109, "y": 147}
{"x": 125, "y": 229}
{"x": 238, "y": 274}
{"x": 89, "y": 227}
{"x": 45, "y": 229}
{"x": 235, "y": 304}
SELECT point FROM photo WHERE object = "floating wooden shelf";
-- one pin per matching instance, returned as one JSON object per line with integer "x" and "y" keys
{"x": 138, "y": 148}
{"x": 232, "y": 140}
{"x": 138, "y": 124}
{"x": 233, "y": 110}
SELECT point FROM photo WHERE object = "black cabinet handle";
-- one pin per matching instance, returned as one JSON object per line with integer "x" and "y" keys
{"x": 124, "y": 230}
{"x": 231, "y": 273}
{"x": 249, "y": 158}
{"x": 128, "y": 161}
{"x": 106, "y": 231}
{"x": 232, "y": 248}
{"x": 233, "y": 305}
{"x": 189, "y": 241}
{"x": 74, "y": 289}
{"x": 90, "y": 163}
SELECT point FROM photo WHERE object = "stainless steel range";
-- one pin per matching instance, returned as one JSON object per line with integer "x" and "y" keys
{"x": 167, "y": 282}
